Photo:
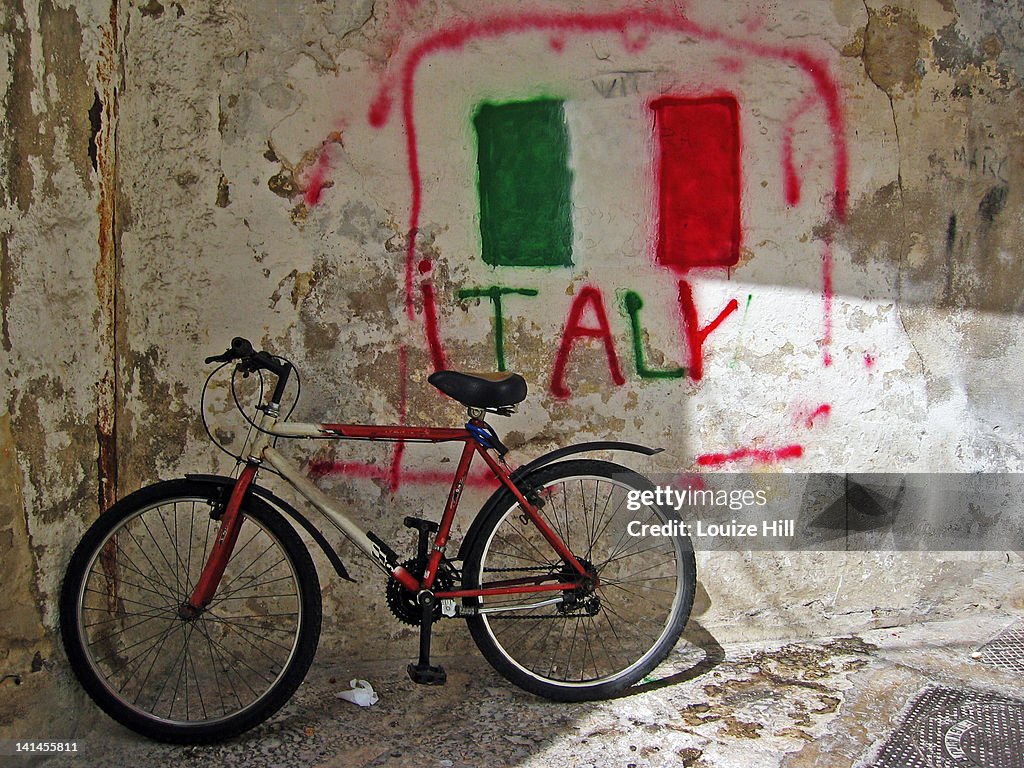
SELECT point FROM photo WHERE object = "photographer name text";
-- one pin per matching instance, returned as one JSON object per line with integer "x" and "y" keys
{"x": 700, "y": 529}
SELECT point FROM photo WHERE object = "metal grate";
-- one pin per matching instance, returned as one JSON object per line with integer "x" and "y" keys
{"x": 953, "y": 728}
{"x": 1005, "y": 650}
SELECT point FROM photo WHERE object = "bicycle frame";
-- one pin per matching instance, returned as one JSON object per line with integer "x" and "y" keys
{"x": 262, "y": 451}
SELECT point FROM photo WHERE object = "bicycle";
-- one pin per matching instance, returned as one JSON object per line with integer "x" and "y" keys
{"x": 191, "y": 609}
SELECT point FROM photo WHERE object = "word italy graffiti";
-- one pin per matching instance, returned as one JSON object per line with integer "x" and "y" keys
{"x": 526, "y": 153}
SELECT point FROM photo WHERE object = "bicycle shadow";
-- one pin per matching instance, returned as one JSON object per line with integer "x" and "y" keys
{"x": 697, "y": 635}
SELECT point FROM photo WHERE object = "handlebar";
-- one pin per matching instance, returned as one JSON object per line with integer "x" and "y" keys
{"x": 251, "y": 361}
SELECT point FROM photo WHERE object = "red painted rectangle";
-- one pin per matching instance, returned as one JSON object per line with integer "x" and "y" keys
{"x": 698, "y": 182}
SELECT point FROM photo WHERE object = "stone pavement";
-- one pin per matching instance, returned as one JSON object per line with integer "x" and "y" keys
{"x": 832, "y": 702}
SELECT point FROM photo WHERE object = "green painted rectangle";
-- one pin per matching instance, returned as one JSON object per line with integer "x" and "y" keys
{"x": 525, "y": 184}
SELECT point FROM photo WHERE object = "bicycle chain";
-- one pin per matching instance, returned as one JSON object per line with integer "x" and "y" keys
{"x": 514, "y": 617}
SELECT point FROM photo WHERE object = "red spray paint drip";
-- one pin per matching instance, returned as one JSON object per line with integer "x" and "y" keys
{"x": 827, "y": 295}
{"x": 395, "y": 471}
{"x": 317, "y": 179}
{"x": 437, "y": 357}
{"x": 758, "y": 455}
{"x": 822, "y": 411}
{"x": 791, "y": 179}
{"x": 358, "y": 469}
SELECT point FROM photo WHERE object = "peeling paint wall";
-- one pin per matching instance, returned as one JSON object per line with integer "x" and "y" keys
{"x": 176, "y": 173}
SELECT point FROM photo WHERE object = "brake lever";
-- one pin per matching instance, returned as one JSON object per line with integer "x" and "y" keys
{"x": 227, "y": 357}
{"x": 240, "y": 349}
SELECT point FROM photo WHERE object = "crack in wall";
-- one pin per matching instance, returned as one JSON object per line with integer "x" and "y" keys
{"x": 903, "y": 233}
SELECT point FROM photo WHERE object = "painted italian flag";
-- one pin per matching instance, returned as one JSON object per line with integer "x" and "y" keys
{"x": 526, "y": 182}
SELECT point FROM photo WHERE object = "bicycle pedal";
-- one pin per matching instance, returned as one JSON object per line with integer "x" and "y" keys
{"x": 420, "y": 524}
{"x": 425, "y": 674}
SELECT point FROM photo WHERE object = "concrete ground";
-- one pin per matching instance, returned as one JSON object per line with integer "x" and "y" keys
{"x": 829, "y": 702}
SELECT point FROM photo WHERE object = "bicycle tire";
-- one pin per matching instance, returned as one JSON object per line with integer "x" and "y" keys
{"x": 104, "y": 610}
{"x": 596, "y": 649}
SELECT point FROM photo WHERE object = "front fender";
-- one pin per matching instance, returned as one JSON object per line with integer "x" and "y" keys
{"x": 282, "y": 506}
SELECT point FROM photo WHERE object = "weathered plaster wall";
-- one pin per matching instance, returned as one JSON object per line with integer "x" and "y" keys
{"x": 176, "y": 173}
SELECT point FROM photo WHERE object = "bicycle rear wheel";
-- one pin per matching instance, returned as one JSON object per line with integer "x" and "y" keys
{"x": 590, "y": 645}
{"x": 163, "y": 673}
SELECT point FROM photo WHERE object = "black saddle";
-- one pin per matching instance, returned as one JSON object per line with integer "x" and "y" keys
{"x": 481, "y": 390}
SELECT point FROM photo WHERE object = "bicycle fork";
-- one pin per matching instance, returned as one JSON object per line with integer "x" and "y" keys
{"x": 227, "y": 535}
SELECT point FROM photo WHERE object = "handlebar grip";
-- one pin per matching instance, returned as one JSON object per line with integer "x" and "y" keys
{"x": 241, "y": 348}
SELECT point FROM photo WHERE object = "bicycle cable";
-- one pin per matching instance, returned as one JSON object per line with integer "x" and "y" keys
{"x": 241, "y": 409}
{"x": 202, "y": 414}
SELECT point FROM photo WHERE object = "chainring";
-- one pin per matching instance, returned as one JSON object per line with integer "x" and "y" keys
{"x": 403, "y": 602}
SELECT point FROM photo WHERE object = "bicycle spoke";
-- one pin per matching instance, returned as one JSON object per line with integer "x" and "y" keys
{"x": 254, "y": 578}
{"x": 142, "y": 519}
{"x": 251, "y": 585}
{"x": 227, "y": 667}
{"x": 615, "y": 631}
{"x": 158, "y": 647}
{"x": 174, "y": 546}
{"x": 245, "y": 628}
{"x": 149, "y": 560}
{"x": 177, "y": 670}
{"x": 213, "y": 667}
{"x": 109, "y": 636}
{"x": 120, "y": 555}
{"x": 245, "y": 664}
{"x": 199, "y": 688}
{"x": 625, "y": 533}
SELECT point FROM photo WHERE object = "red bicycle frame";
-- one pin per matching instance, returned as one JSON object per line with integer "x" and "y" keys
{"x": 262, "y": 451}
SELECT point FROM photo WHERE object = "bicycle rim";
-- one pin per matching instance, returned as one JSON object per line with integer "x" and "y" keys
{"x": 188, "y": 672}
{"x": 630, "y": 621}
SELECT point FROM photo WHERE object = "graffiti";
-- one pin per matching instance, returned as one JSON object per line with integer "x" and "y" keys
{"x": 437, "y": 356}
{"x": 756, "y": 455}
{"x": 525, "y": 188}
{"x": 698, "y": 182}
{"x": 632, "y": 304}
{"x": 589, "y": 296}
{"x": 695, "y": 335}
{"x": 827, "y": 296}
{"x": 494, "y": 293}
{"x": 807, "y": 416}
{"x": 985, "y": 161}
{"x": 791, "y": 179}
{"x": 634, "y": 26}
{"x": 739, "y": 336}
{"x": 317, "y": 179}
{"x": 619, "y": 84}
{"x": 525, "y": 185}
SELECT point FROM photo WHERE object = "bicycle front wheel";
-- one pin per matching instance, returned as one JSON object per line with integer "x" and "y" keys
{"x": 166, "y": 673}
{"x": 597, "y": 643}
